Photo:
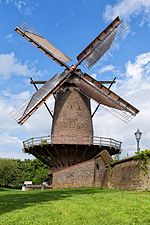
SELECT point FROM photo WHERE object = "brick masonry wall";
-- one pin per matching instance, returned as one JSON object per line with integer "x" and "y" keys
{"x": 80, "y": 175}
{"x": 145, "y": 179}
{"x": 100, "y": 171}
{"x": 72, "y": 123}
{"x": 127, "y": 175}
{"x": 86, "y": 174}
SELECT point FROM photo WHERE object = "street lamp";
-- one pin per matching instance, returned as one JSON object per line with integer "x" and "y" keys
{"x": 138, "y": 135}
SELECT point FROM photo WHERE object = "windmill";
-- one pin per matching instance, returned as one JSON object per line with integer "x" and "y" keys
{"x": 71, "y": 140}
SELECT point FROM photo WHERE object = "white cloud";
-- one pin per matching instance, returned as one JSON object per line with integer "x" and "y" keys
{"x": 108, "y": 68}
{"x": 20, "y": 4}
{"x": 138, "y": 74}
{"x": 16, "y": 99}
{"x": 9, "y": 38}
{"x": 39, "y": 124}
{"x": 6, "y": 139}
{"x": 10, "y": 144}
{"x": 23, "y": 6}
{"x": 12, "y": 134}
{"x": 135, "y": 88}
{"x": 128, "y": 8}
{"x": 11, "y": 147}
{"x": 10, "y": 66}
{"x": 6, "y": 122}
{"x": 138, "y": 70}
{"x": 94, "y": 75}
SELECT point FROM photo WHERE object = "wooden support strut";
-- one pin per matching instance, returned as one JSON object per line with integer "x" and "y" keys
{"x": 100, "y": 81}
{"x": 44, "y": 102}
{"x": 24, "y": 118}
{"x": 57, "y": 152}
{"x": 113, "y": 81}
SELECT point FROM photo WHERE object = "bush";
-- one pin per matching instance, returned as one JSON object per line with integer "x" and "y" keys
{"x": 145, "y": 156}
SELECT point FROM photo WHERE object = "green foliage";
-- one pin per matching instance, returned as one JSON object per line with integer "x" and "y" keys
{"x": 9, "y": 172}
{"x": 44, "y": 142}
{"x": 90, "y": 206}
{"x": 41, "y": 172}
{"x": 117, "y": 157}
{"x": 145, "y": 156}
{"x": 14, "y": 172}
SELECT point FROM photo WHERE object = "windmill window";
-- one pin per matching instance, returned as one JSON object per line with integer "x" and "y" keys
{"x": 97, "y": 166}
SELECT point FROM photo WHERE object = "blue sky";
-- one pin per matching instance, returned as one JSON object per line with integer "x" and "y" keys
{"x": 71, "y": 26}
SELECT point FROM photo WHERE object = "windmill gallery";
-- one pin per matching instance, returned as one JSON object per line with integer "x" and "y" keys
{"x": 75, "y": 156}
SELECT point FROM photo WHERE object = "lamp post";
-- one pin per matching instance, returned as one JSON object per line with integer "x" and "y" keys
{"x": 138, "y": 135}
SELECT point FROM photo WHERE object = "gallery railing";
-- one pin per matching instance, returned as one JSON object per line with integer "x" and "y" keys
{"x": 101, "y": 141}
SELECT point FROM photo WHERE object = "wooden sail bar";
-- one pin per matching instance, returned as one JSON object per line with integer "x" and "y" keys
{"x": 97, "y": 48}
{"x": 39, "y": 97}
{"x": 45, "y": 46}
{"x": 127, "y": 106}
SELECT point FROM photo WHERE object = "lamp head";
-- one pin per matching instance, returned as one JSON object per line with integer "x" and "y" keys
{"x": 138, "y": 135}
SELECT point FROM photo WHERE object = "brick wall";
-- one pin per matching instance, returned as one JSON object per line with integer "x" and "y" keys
{"x": 72, "y": 123}
{"x": 128, "y": 175}
{"x": 80, "y": 175}
{"x": 98, "y": 172}
{"x": 86, "y": 174}
{"x": 145, "y": 179}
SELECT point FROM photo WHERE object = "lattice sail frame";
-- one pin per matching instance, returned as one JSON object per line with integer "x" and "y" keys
{"x": 40, "y": 96}
{"x": 18, "y": 111}
{"x": 108, "y": 100}
{"x": 45, "y": 46}
{"x": 122, "y": 115}
{"x": 101, "y": 44}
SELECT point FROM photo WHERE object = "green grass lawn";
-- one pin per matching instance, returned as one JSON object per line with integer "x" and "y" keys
{"x": 74, "y": 207}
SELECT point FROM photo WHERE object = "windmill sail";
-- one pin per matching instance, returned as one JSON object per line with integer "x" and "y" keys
{"x": 45, "y": 46}
{"x": 103, "y": 95}
{"x": 100, "y": 49}
{"x": 40, "y": 96}
{"x": 99, "y": 46}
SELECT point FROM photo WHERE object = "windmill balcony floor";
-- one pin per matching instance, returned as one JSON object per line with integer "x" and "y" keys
{"x": 63, "y": 155}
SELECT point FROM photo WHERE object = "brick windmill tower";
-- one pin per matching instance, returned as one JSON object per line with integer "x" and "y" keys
{"x": 71, "y": 141}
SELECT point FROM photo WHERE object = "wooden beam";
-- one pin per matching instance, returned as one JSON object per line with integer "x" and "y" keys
{"x": 38, "y": 81}
{"x": 44, "y": 102}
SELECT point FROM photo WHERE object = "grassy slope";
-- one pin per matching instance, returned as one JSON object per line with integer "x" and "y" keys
{"x": 74, "y": 207}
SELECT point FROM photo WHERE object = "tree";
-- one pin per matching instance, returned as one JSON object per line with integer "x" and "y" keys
{"x": 15, "y": 172}
{"x": 9, "y": 173}
{"x": 41, "y": 171}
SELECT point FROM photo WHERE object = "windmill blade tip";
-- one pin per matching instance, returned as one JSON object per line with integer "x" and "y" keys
{"x": 16, "y": 28}
{"x": 118, "y": 18}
